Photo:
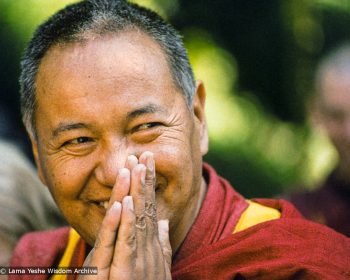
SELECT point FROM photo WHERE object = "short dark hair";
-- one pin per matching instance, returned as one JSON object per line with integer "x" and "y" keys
{"x": 78, "y": 21}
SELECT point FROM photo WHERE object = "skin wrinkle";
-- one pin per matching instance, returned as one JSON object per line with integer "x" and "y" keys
{"x": 164, "y": 139}
{"x": 176, "y": 126}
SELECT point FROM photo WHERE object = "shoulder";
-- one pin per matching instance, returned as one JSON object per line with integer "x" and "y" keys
{"x": 283, "y": 248}
{"x": 264, "y": 210}
{"x": 286, "y": 208}
{"x": 42, "y": 248}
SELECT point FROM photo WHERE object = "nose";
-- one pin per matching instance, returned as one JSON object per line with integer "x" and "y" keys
{"x": 111, "y": 158}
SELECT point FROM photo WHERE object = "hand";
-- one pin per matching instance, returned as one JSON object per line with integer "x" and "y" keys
{"x": 132, "y": 243}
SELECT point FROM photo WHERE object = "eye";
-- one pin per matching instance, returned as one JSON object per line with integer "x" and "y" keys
{"x": 145, "y": 126}
{"x": 79, "y": 146}
{"x": 78, "y": 141}
{"x": 146, "y": 132}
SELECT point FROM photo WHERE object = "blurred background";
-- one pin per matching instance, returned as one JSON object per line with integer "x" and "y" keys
{"x": 256, "y": 59}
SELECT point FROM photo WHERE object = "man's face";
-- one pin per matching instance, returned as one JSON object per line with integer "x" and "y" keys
{"x": 334, "y": 104}
{"x": 102, "y": 100}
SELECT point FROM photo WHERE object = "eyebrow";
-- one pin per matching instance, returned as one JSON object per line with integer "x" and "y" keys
{"x": 66, "y": 127}
{"x": 148, "y": 109}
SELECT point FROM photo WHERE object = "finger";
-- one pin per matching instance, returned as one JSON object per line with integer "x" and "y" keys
{"x": 138, "y": 193}
{"x": 121, "y": 187}
{"x": 147, "y": 159}
{"x": 125, "y": 249}
{"x": 163, "y": 233}
{"x": 149, "y": 189}
{"x": 104, "y": 245}
{"x": 138, "y": 175}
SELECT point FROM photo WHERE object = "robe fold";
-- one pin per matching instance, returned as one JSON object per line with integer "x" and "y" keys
{"x": 217, "y": 246}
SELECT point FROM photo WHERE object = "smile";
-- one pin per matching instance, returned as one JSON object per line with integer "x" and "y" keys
{"x": 104, "y": 204}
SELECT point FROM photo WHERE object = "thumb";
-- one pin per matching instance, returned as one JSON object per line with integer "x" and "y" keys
{"x": 163, "y": 231}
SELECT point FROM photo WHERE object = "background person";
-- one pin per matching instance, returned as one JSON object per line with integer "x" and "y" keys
{"x": 330, "y": 203}
{"x": 25, "y": 204}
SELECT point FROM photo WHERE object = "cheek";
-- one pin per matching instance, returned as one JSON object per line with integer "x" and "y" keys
{"x": 173, "y": 159}
{"x": 67, "y": 176}
{"x": 178, "y": 173}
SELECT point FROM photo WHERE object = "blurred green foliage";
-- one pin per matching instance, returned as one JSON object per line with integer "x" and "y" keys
{"x": 256, "y": 59}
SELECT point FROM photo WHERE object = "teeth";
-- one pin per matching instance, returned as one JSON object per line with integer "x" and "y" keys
{"x": 104, "y": 204}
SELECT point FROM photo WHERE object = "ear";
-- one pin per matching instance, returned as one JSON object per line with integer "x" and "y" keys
{"x": 199, "y": 112}
{"x": 37, "y": 160}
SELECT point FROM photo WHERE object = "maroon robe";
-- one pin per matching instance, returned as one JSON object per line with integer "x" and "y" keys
{"x": 328, "y": 204}
{"x": 286, "y": 248}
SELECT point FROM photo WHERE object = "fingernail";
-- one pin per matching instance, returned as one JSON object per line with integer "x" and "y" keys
{"x": 132, "y": 158}
{"x": 116, "y": 206}
{"x": 128, "y": 202}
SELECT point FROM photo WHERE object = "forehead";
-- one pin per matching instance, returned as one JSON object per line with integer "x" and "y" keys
{"x": 133, "y": 52}
{"x": 335, "y": 87}
{"x": 129, "y": 64}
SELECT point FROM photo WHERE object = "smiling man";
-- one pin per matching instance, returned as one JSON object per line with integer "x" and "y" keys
{"x": 118, "y": 129}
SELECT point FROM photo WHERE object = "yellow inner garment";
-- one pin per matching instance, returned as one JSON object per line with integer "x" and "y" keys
{"x": 256, "y": 214}
{"x": 73, "y": 239}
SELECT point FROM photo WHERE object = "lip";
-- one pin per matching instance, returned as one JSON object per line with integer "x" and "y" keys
{"x": 104, "y": 204}
{"x": 100, "y": 203}
{"x": 99, "y": 207}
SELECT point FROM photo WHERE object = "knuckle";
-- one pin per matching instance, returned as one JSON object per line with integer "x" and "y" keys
{"x": 149, "y": 180}
{"x": 129, "y": 243}
{"x": 140, "y": 222}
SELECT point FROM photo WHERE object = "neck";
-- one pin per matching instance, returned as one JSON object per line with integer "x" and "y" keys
{"x": 184, "y": 227}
